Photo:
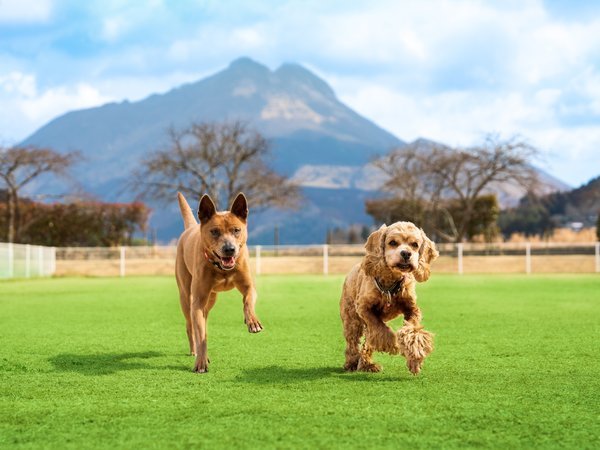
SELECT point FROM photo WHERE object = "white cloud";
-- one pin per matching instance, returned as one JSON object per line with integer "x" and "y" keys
{"x": 29, "y": 107}
{"x": 446, "y": 70}
{"x": 463, "y": 118}
{"x": 52, "y": 102}
{"x": 25, "y": 11}
{"x": 17, "y": 83}
{"x": 114, "y": 27}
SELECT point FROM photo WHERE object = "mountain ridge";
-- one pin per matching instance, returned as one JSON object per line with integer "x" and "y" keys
{"x": 297, "y": 111}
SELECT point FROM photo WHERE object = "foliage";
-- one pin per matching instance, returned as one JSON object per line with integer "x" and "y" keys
{"x": 108, "y": 368}
{"x": 438, "y": 222}
{"x": 80, "y": 224}
{"x": 540, "y": 215}
{"x": 19, "y": 166}
{"x": 577, "y": 205}
{"x": 354, "y": 234}
{"x": 531, "y": 217}
{"x": 427, "y": 178}
{"x": 598, "y": 227}
{"x": 220, "y": 159}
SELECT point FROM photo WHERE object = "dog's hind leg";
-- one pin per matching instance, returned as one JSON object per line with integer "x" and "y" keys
{"x": 353, "y": 331}
{"x": 184, "y": 280}
{"x": 366, "y": 363}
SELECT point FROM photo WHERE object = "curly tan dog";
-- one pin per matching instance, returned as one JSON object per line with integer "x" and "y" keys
{"x": 211, "y": 258}
{"x": 381, "y": 288}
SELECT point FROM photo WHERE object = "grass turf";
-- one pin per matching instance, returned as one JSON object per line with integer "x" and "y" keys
{"x": 88, "y": 363}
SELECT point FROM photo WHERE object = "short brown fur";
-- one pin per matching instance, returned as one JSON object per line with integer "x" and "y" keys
{"x": 401, "y": 251}
{"x": 212, "y": 257}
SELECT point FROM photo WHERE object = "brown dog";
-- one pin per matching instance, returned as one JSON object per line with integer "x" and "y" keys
{"x": 381, "y": 288}
{"x": 211, "y": 258}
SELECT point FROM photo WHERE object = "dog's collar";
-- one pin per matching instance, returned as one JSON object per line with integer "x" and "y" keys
{"x": 215, "y": 263}
{"x": 391, "y": 291}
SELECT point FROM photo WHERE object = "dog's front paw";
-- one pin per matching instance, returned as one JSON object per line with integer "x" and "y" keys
{"x": 415, "y": 342}
{"x": 414, "y": 365}
{"x": 368, "y": 366}
{"x": 254, "y": 325}
{"x": 201, "y": 365}
{"x": 351, "y": 366}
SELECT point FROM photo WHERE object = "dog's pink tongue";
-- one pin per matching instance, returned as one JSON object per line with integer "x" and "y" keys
{"x": 228, "y": 261}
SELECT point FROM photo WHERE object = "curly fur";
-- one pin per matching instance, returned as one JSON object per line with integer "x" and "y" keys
{"x": 415, "y": 344}
{"x": 401, "y": 251}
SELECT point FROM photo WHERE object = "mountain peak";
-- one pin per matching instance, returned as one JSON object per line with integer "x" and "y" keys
{"x": 247, "y": 64}
{"x": 295, "y": 73}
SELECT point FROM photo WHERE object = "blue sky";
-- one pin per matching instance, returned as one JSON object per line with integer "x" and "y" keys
{"x": 451, "y": 71}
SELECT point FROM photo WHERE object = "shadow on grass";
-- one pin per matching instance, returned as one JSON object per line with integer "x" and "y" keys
{"x": 278, "y": 374}
{"x": 105, "y": 363}
{"x": 286, "y": 375}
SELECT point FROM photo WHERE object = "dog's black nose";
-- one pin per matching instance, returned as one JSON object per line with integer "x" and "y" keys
{"x": 228, "y": 249}
{"x": 406, "y": 255}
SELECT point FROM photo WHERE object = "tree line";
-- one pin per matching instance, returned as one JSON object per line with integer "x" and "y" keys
{"x": 450, "y": 192}
{"x": 221, "y": 159}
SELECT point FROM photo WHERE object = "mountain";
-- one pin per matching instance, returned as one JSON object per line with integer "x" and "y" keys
{"x": 296, "y": 110}
{"x": 315, "y": 138}
{"x": 292, "y": 107}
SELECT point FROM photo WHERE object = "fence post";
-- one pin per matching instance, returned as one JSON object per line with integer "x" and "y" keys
{"x": 10, "y": 253}
{"x": 597, "y": 257}
{"x": 122, "y": 262}
{"x": 27, "y": 261}
{"x": 459, "y": 248}
{"x": 325, "y": 259}
{"x": 52, "y": 261}
{"x": 528, "y": 258}
{"x": 40, "y": 260}
{"x": 258, "y": 268}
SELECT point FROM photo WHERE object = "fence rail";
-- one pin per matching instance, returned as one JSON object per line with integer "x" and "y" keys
{"x": 337, "y": 259}
{"x": 25, "y": 261}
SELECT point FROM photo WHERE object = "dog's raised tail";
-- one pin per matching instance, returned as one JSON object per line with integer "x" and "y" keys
{"x": 186, "y": 212}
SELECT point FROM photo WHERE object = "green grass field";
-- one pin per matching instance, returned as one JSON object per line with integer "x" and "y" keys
{"x": 101, "y": 363}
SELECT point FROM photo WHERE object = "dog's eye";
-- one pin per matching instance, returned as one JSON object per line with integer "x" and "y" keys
{"x": 215, "y": 232}
{"x": 236, "y": 231}
{"x": 393, "y": 243}
{"x": 414, "y": 245}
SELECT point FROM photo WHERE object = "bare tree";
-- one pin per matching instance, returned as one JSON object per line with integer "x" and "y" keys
{"x": 434, "y": 174}
{"x": 21, "y": 165}
{"x": 221, "y": 159}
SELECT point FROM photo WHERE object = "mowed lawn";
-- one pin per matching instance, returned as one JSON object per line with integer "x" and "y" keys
{"x": 101, "y": 363}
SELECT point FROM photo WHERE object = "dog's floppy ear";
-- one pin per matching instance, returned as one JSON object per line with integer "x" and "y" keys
{"x": 374, "y": 247}
{"x": 206, "y": 209}
{"x": 427, "y": 254}
{"x": 239, "y": 207}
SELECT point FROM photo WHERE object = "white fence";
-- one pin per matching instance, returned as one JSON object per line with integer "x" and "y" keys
{"x": 338, "y": 259}
{"x": 24, "y": 261}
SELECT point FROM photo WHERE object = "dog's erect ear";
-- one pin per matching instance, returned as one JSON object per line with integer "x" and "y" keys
{"x": 374, "y": 247}
{"x": 206, "y": 209}
{"x": 239, "y": 207}
{"x": 427, "y": 254}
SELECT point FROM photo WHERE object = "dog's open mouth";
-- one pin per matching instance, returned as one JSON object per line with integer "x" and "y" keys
{"x": 405, "y": 267}
{"x": 227, "y": 262}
